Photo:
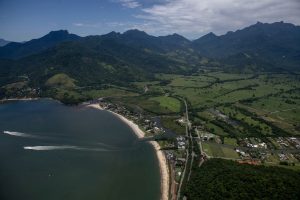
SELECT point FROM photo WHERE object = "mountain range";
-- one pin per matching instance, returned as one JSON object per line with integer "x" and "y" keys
{"x": 134, "y": 55}
{"x": 15, "y": 50}
{"x": 275, "y": 45}
{"x": 3, "y": 42}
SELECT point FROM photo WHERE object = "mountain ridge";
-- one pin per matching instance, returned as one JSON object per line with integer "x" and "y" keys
{"x": 134, "y": 55}
{"x": 4, "y": 42}
{"x": 15, "y": 50}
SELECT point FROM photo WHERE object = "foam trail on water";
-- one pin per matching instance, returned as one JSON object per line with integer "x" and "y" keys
{"x": 106, "y": 145}
{"x": 26, "y": 135}
{"x": 62, "y": 147}
{"x": 18, "y": 134}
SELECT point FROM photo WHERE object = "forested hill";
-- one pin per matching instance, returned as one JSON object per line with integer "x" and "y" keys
{"x": 15, "y": 50}
{"x": 264, "y": 45}
{"x": 224, "y": 179}
{"x": 111, "y": 58}
{"x": 134, "y": 55}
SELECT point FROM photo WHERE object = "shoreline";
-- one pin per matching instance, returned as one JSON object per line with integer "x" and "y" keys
{"x": 163, "y": 166}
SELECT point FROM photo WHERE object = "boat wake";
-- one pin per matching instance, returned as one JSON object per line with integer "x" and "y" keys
{"x": 98, "y": 146}
{"x": 63, "y": 147}
{"x": 19, "y": 134}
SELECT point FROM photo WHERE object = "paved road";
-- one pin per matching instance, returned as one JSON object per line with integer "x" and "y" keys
{"x": 189, "y": 125}
{"x": 189, "y": 137}
{"x": 187, "y": 152}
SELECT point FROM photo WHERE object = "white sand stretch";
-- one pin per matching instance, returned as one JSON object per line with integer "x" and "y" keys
{"x": 164, "y": 170}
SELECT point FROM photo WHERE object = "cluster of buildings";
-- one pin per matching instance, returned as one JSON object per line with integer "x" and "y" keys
{"x": 294, "y": 141}
{"x": 218, "y": 114}
{"x": 250, "y": 150}
{"x": 288, "y": 142}
{"x": 20, "y": 92}
{"x": 242, "y": 153}
{"x": 149, "y": 126}
{"x": 253, "y": 143}
{"x": 255, "y": 150}
{"x": 174, "y": 150}
{"x": 181, "y": 142}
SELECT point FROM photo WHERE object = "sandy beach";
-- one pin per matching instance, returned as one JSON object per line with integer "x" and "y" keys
{"x": 164, "y": 170}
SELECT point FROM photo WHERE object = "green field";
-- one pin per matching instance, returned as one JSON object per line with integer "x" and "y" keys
{"x": 243, "y": 119}
{"x": 219, "y": 151}
{"x": 235, "y": 88}
{"x": 230, "y": 141}
{"x": 171, "y": 124}
{"x": 215, "y": 129}
{"x": 258, "y": 105}
{"x": 110, "y": 92}
{"x": 60, "y": 80}
{"x": 272, "y": 97}
{"x": 74, "y": 96}
{"x": 169, "y": 103}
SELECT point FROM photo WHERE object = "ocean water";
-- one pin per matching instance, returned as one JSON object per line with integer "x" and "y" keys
{"x": 50, "y": 151}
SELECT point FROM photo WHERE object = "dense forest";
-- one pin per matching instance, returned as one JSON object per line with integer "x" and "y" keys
{"x": 224, "y": 179}
{"x": 117, "y": 58}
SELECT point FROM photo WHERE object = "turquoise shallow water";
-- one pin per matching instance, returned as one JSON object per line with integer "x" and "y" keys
{"x": 51, "y": 151}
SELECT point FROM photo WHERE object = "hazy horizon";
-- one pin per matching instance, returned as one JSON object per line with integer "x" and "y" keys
{"x": 23, "y": 21}
{"x": 191, "y": 39}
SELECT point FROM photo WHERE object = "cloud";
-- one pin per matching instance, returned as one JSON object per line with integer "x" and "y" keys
{"x": 130, "y": 3}
{"x": 78, "y": 24}
{"x": 87, "y": 25}
{"x": 197, "y": 17}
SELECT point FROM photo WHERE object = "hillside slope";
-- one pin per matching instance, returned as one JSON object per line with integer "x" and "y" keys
{"x": 15, "y": 50}
{"x": 275, "y": 45}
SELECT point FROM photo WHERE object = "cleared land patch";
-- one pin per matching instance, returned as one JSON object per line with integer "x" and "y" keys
{"x": 61, "y": 80}
{"x": 169, "y": 103}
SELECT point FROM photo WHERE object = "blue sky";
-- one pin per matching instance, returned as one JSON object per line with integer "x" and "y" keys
{"x": 22, "y": 20}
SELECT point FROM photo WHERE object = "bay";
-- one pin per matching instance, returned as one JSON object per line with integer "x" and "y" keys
{"x": 52, "y": 151}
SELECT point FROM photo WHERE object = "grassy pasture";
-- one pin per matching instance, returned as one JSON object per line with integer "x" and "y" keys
{"x": 236, "y": 115}
{"x": 218, "y": 88}
{"x": 215, "y": 129}
{"x": 262, "y": 94}
{"x": 283, "y": 107}
{"x": 110, "y": 92}
{"x": 171, "y": 124}
{"x": 169, "y": 103}
{"x": 155, "y": 104}
{"x": 244, "y": 87}
{"x": 219, "y": 151}
{"x": 228, "y": 76}
{"x": 230, "y": 141}
{"x": 60, "y": 80}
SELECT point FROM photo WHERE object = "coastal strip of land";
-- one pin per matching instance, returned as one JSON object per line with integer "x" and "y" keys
{"x": 163, "y": 166}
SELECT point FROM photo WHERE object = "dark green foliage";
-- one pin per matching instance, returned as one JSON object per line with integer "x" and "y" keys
{"x": 275, "y": 130}
{"x": 223, "y": 179}
{"x": 113, "y": 58}
{"x": 171, "y": 124}
{"x": 120, "y": 59}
